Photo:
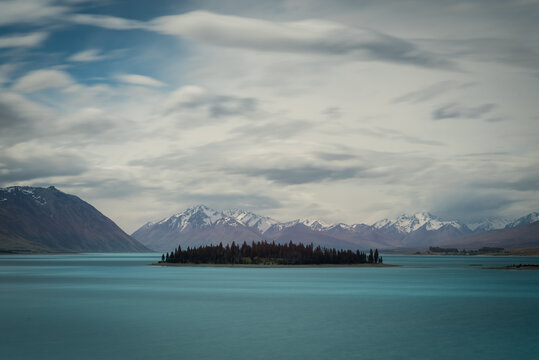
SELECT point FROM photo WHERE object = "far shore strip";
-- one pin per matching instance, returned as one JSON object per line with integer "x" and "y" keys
{"x": 275, "y": 265}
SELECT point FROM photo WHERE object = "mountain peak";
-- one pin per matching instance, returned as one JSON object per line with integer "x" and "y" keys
{"x": 488, "y": 223}
{"x": 202, "y": 216}
{"x": 524, "y": 220}
{"x": 407, "y": 223}
{"x": 45, "y": 219}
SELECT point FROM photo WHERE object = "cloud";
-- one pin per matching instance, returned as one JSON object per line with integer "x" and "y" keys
{"x": 9, "y": 117}
{"x": 216, "y": 106}
{"x": 29, "y": 11}
{"x": 385, "y": 133}
{"x": 141, "y": 80}
{"x": 274, "y": 130}
{"x": 454, "y": 111}
{"x": 21, "y": 119}
{"x": 471, "y": 204}
{"x": 88, "y": 122}
{"x": 307, "y": 36}
{"x": 526, "y": 180}
{"x": 314, "y": 104}
{"x": 303, "y": 174}
{"x": 336, "y": 156}
{"x": 5, "y": 72}
{"x": 431, "y": 91}
{"x": 106, "y": 21}
{"x": 332, "y": 112}
{"x": 500, "y": 50}
{"x": 230, "y": 105}
{"x": 246, "y": 201}
{"x": 23, "y": 40}
{"x": 87, "y": 56}
{"x": 107, "y": 188}
{"x": 529, "y": 183}
{"x": 17, "y": 168}
{"x": 41, "y": 80}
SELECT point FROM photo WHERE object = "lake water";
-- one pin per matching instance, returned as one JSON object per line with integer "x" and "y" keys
{"x": 115, "y": 306}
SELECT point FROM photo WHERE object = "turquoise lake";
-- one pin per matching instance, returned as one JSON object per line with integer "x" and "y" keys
{"x": 115, "y": 306}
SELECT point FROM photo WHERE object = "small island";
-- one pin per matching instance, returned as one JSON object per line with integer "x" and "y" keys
{"x": 270, "y": 254}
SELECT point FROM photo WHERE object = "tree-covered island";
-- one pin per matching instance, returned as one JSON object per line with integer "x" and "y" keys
{"x": 264, "y": 253}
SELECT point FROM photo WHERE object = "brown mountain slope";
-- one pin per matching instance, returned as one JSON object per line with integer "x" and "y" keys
{"x": 521, "y": 237}
{"x": 48, "y": 220}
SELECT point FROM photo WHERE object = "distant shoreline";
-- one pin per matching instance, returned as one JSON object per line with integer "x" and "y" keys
{"x": 9, "y": 252}
{"x": 505, "y": 252}
{"x": 516, "y": 267}
{"x": 275, "y": 266}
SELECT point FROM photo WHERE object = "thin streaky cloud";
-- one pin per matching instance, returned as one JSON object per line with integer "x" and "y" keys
{"x": 88, "y": 56}
{"x": 23, "y": 40}
{"x": 307, "y": 36}
{"x": 458, "y": 111}
{"x": 142, "y": 80}
{"x": 42, "y": 79}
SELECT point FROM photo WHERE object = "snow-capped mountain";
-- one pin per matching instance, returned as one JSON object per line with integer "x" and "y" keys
{"x": 523, "y": 221}
{"x": 201, "y": 216}
{"x": 315, "y": 225}
{"x": 201, "y": 225}
{"x": 406, "y": 224}
{"x": 421, "y": 229}
{"x": 251, "y": 220}
{"x": 197, "y": 217}
{"x": 488, "y": 224}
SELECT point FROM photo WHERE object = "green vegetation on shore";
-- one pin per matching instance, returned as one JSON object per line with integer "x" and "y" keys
{"x": 264, "y": 253}
{"x": 517, "y": 267}
{"x": 484, "y": 251}
{"x": 454, "y": 251}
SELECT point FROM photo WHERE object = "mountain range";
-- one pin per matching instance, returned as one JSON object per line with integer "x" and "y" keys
{"x": 48, "y": 220}
{"x": 201, "y": 225}
{"x": 35, "y": 219}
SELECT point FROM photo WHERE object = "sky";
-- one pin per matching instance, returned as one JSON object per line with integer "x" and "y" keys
{"x": 345, "y": 111}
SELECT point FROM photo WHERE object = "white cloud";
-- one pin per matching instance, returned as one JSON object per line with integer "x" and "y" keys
{"x": 41, "y": 80}
{"x": 5, "y": 72}
{"x": 23, "y": 40}
{"x": 105, "y": 21}
{"x": 142, "y": 80}
{"x": 319, "y": 132}
{"x": 307, "y": 36}
{"x": 87, "y": 56}
{"x": 28, "y": 11}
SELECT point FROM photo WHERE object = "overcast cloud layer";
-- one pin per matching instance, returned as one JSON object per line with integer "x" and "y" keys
{"x": 344, "y": 111}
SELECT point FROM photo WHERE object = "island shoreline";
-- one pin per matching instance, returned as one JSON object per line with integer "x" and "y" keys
{"x": 277, "y": 265}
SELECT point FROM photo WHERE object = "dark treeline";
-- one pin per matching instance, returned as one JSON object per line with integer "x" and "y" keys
{"x": 269, "y": 253}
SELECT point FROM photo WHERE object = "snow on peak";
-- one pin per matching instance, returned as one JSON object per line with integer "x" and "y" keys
{"x": 525, "y": 220}
{"x": 251, "y": 220}
{"x": 200, "y": 216}
{"x": 33, "y": 192}
{"x": 342, "y": 226}
{"x": 197, "y": 216}
{"x": 489, "y": 223}
{"x": 409, "y": 223}
{"x": 316, "y": 225}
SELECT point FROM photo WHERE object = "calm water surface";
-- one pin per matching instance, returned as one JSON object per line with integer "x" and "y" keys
{"x": 103, "y": 306}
